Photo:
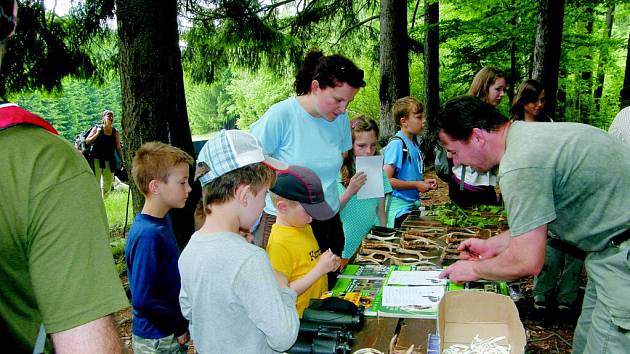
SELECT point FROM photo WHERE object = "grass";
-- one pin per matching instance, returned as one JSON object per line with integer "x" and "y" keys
{"x": 115, "y": 206}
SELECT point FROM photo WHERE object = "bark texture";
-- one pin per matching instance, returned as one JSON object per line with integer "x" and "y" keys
{"x": 152, "y": 87}
{"x": 547, "y": 50}
{"x": 431, "y": 64}
{"x": 394, "y": 60}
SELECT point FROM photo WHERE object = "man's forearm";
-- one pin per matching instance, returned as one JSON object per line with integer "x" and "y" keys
{"x": 523, "y": 256}
{"x": 98, "y": 336}
{"x": 500, "y": 242}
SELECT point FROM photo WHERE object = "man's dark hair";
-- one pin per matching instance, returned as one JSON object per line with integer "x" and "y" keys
{"x": 460, "y": 115}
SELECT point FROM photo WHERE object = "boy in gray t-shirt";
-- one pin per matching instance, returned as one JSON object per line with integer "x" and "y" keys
{"x": 235, "y": 301}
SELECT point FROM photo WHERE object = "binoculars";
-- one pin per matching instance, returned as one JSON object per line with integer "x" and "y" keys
{"x": 326, "y": 327}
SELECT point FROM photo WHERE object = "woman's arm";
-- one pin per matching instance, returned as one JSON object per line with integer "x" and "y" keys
{"x": 92, "y": 136}
{"x": 119, "y": 148}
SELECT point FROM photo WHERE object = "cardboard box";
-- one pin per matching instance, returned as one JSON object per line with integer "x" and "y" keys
{"x": 462, "y": 315}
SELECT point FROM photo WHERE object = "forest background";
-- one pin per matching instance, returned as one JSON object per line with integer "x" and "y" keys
{"x": 222, "y": 63}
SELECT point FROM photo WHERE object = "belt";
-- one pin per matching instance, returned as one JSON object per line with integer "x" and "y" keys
{"x": 621, "y": 238}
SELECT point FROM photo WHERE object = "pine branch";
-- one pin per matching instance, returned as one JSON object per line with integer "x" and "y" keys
{"x": 349, "y": 29}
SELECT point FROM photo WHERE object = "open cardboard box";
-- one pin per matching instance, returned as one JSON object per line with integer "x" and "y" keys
{"x": 462, "y": 315}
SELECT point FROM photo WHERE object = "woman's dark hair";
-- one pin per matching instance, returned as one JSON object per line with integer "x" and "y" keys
{"x": 528, "y": 92}
{"x": 485, "y": 78}
{"x": 460, "y": 115}
{"x": 357, "y": 125}
{"x": 329, "y": 71}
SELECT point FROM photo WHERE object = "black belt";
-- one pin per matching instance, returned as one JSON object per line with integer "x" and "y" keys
{"x": 621, "y": 238}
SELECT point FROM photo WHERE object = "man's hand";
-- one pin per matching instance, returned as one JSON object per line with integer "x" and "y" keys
{"x": 460, "y": 272}
{"x": 475, "y": 249}
{"x": 328, "y": 262}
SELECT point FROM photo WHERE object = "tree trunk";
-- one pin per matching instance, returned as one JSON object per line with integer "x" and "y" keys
{"x": 603, "y": 59}
{"x": 547, "y": 50}
{"x": 431, "y": 65}
{"x": 585, "y": 87}
{"x": 513, "y": 79}
{"x": 152, "y": 87}
{"x": 394, "y": 60}
{"x": 626, "y": 76}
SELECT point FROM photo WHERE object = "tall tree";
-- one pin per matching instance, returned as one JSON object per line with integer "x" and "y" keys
{"x": 547, "y": 49}
{"x": 584, "y": 95}
{"x": 394, "y": 60}
{"x": 626, "y": 75}
{"x": 154, "y": 107}
{"x": 603, "y": 58}
{"x": 431, "y": 60}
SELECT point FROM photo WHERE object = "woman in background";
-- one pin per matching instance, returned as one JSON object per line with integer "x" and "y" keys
{"x": 529, "y": 103}
{"x": 105, "y": 142}
{"x": 468, "y": 187}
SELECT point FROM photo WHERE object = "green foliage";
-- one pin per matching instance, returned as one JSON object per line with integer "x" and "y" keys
{"x": 115, "y": 204}
{"x": 46, "y": 48}
{"x": 253, "y": 93}
{"x": 77, "y": 107}
{"x": 118, "y": 247}
{"x": 208, "y": 107}
{"x": 118, "y": 252}
{"x": 249, "y": 50}
{"x": 481, "y": 216}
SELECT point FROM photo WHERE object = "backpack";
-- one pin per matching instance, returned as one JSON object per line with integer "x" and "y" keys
{"x": 81, "y": 145}
{"x": 405, "y": 150}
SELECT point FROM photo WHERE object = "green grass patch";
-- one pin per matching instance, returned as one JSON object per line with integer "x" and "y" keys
{"x": 115, "y": 204}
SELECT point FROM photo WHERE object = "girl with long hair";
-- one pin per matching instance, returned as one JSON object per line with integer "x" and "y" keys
{"x": 359, "y": 215}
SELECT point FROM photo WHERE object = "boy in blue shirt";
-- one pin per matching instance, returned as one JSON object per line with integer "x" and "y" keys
{"x": 160, "y": 171}
{"x": 402, "y": 161}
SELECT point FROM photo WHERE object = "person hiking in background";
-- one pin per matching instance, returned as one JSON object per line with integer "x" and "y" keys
{"x": 105, "y": 142}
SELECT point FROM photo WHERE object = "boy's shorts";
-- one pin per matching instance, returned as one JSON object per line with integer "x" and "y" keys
{"x": 166, "y": 345}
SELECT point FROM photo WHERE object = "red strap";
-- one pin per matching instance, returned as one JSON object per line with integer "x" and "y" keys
{"x": 11, "y": 115}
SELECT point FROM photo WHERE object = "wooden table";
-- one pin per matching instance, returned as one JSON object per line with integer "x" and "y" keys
{"x": 378, "y": 332}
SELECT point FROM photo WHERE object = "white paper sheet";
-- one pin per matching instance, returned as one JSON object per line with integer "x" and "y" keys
{"x": 416, "y": 277}
{"x": 372, "y": 166}
{"x": 412, "y": 295}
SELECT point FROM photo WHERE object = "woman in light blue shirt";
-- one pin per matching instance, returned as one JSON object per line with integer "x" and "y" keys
{"x": 312, "y": 130}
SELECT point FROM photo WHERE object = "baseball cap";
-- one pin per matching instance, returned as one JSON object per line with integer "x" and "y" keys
{"x": 302, "y": 185}
{"x": 228, "y": 150}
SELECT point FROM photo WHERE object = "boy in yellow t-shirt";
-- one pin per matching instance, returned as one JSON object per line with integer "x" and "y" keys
{"x": 292, "y": 247}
